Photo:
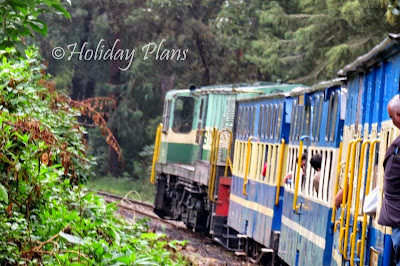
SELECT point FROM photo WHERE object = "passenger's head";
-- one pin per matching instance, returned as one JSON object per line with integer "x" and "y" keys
{"x": 394, "y": 110}
{"x": 304, "y": 160}
{"x": 316, "y": 161}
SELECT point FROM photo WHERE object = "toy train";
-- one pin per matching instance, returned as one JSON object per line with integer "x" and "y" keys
{"x": 222, "y": 154}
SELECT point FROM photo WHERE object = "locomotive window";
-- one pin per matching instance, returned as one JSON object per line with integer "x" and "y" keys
{"x": 166, "y": 115}
{"x": 279, "y": 124}
{"x": 201, "y": 109}
{"x": 183, "y": 114}
{"x": 334, "y": 116}
{"x": 260, "y": 122}
{"x": 265, "y": 121}
{"x": 328, "y": 123}
{"x": 319, "y": 117}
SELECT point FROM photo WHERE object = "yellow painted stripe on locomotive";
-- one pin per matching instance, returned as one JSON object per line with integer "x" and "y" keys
{"x": 314, "y": 238}
{"x": 252, "y": 205}
{"x": 181, "y": 138}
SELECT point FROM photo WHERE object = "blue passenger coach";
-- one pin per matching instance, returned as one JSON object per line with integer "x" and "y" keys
{"x": 316, "y": 116}
{"x": 372, "y": 80}
{"x": 254, "y": 208}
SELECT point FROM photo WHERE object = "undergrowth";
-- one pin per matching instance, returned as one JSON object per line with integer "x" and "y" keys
{"x": 46, "y": 215}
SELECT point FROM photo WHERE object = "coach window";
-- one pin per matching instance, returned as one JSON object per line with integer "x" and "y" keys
{"x": 300, "y": 122}
{"x": 253, "y": 120}
{"x": 260, "y": 120}
{"x": 248, "y": 128}
{"x": 183, "y": 114}
{"x": 314, "y": 120}
{"x": 239, "y": 121}
{"x": 279, "y": 123}
{"x": 320, "y": 105}
{"x": 244, "y": 124}
{"x": 293, "y": 120}
{"x": 240, "y": 129}
{"x": 307, "y": 120}
{"x": 264, "y": 129}
{"x": 244, "y": 121}
{"x": 328, "y": 123}
{"x": 334, "y": 116}
{"x": 166, "y": 115}
{"x": 268, "y": 121}
{"x": 273, "y": 119}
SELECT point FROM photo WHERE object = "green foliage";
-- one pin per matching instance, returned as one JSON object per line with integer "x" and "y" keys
{"x": 46, "y": 216}
{"x": 301, "y": 41}
{"x": 21, "y": 19}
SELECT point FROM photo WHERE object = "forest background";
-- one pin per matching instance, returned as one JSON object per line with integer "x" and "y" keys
{"x": 235, "y": 41}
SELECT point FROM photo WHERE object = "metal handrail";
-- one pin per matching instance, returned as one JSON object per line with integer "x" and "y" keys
{"x": 359, "y": 178}
{"x": 156, "y": 153}
{"x": 279, "y": 176}
{"x": 215, "y": 140}
{"x": 349, "y": 197}
{"x": 367, "y": 188}
{"x": 246, "y": 169}
{"x": 213, "y": 163}
{"x": 297, "y": 180}
{"x": 337, "y": 182}
{"x": 344, "y": 197}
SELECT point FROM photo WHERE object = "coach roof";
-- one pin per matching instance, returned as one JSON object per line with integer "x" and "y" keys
{"x": 386, "y": 48}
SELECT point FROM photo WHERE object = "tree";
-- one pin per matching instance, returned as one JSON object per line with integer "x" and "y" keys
{"x": 138, "y": 91}
{"x": 301, "y": 41}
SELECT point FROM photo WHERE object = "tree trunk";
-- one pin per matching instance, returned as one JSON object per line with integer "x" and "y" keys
{"x": 114, "y": 165}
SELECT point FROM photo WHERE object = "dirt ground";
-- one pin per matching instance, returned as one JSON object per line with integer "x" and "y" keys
{"x": 200, "y": 250}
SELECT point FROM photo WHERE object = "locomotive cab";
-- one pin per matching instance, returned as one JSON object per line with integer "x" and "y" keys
{"x": 178, "y": 141}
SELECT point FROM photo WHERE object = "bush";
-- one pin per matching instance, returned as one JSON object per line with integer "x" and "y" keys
{"x": 46, "y": 216}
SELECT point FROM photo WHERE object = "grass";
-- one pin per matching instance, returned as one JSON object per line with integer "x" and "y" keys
{"x": 141, "y": 189}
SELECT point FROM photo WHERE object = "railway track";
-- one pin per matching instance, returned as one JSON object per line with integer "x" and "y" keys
{"x": 136, "y": 206}
{"x": 200, "y": 250}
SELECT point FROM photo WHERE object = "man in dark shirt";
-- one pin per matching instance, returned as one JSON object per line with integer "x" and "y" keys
{"x": 390, "y": 212}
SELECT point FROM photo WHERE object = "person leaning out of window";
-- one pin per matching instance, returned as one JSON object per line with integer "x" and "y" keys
{"x": 315, "y": 162}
